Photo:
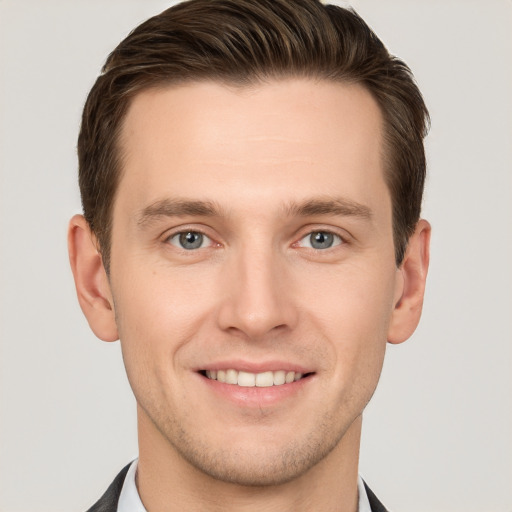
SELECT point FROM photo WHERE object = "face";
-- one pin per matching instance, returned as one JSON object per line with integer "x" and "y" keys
{"x": 252, "y": 271}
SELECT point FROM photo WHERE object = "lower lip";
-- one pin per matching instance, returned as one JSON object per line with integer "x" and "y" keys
{"x": 256, "y": 396}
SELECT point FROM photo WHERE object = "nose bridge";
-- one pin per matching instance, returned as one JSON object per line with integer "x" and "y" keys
{"x": 256, "y": 301}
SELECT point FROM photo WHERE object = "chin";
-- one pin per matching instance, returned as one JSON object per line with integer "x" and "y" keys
{"x": 256, "y": 465}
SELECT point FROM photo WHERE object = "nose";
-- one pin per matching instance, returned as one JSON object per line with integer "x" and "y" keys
{"x": 258, "y": 295}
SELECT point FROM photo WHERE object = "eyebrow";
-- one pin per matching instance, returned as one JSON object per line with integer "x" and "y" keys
{"x": 177, "y": 208}
{"x": 312, "y": 207}
{"x": 329, "y": 206}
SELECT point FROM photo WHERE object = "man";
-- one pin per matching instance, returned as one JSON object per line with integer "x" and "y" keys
{"x": 251, "y": 176}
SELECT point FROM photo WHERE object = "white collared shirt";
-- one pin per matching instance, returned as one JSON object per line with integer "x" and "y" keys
{"x": 129, "y": 500}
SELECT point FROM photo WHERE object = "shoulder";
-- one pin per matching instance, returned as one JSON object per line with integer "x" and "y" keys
{"x": 108, "y": 502}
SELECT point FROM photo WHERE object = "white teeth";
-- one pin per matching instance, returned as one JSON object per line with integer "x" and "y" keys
{"x": 231, "y": 377}
{"x": 265, "y": 380}
{"x": 249, "y": 380}
{"x": 279, "y": 377}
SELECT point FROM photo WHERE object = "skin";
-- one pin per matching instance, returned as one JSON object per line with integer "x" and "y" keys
{"x": 256, "y": 171}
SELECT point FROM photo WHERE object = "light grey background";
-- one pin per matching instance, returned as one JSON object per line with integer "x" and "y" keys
{"x": 437, "y": 436}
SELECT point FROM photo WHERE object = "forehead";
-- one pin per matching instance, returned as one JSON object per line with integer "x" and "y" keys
{"x": 293, "y": 137}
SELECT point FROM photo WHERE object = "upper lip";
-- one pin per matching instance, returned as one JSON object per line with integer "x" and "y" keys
{"x": 256, "y": 367}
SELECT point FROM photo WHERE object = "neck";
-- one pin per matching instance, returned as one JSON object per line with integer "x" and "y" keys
{"x": 168, "y": 483}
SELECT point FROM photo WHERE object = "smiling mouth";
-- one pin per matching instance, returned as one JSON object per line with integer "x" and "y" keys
{"x": 249, "y": 380}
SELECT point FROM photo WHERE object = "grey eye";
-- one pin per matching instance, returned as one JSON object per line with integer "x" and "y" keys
{"x": 189, "y": 240}
{"x": 321, "y": 240}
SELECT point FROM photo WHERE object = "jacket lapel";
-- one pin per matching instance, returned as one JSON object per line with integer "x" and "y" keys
{"x": 108, "y": 502}
{"x": 375, "y": 504}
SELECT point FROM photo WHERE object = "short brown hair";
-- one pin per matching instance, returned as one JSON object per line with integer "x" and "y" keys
{"x": 245, "y": 42}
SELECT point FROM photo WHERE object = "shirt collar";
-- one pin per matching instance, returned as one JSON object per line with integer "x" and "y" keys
{"x": 129, "y": 499}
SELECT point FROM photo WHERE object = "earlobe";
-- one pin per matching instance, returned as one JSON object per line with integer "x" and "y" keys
{"x": 410, "y": 285}
{"x": 91, "y": 281}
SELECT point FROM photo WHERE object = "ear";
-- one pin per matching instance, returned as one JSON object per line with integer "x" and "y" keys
{"x": 410, "y": 285}
{"x": 91, "y": 281}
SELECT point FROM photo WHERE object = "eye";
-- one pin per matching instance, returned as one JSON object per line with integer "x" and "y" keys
{"x": 321, "y": 240}
{"x": 189, "y": 240}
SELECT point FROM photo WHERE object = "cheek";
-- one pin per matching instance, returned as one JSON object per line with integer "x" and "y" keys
{"x": 355, "y": 299}
{"x": 353, "y": 314}
{"x": 157, "y": 313}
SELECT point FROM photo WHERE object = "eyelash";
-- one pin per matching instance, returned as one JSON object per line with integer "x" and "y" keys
{"x": 337, "y": 240}
{"x": 185, "y": 232}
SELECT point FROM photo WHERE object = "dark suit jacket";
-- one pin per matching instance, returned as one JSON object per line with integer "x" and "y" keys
{"x": 108, "y": 502}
